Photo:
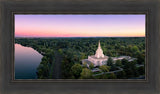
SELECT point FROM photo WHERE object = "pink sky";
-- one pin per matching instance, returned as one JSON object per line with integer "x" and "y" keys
{"x": 79, "y": 25}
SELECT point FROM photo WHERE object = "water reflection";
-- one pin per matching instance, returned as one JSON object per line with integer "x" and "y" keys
{"x": 26, "y": 61}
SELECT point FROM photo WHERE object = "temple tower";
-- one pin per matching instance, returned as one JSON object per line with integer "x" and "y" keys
{"x": 99, "y": 51}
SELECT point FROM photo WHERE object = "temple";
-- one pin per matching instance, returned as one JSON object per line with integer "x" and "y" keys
{"x": 99, "y": 58}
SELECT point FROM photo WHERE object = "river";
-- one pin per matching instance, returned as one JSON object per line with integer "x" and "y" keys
{"x": 26, "y": 62}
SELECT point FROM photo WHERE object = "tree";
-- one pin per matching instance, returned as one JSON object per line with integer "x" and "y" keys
{"x": 121, "y": 75}
{"x": 124, "y": 61}
{"x": 109, "y": 53}
{"x": 112, "y": 76}
{"x": 140, "y": 58}
{"x": 134, "y": 49}
{"x": 104, "y": 68}
{"x": 86, "y": 73}
{"x": 122, "y": 50}
{"x": 130, "y": 69}
{"x": 118, "y": 63}
{"x": 76, "y": 70}
{"x": 129, "y": 48}
{"x": 85, "y": 64}
{"x": 91, "y": 66}
{"x": 44, "y": 58}
{"x": 141, "y": 70}
{"x": 110, "y": 61}
{"x": 82, "y": 55}
{"x": 113, "y": 67}
{"x": 60, "y": 51}
{"x": 42, "y": 71}
{"x": 66, "y": 67}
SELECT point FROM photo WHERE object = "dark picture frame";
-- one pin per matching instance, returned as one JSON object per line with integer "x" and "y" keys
{"x": 148, "y": 86}
{"x": 145, "y": 79}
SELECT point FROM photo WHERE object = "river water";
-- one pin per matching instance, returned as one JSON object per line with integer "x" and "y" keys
{"x": 26, "y": 62}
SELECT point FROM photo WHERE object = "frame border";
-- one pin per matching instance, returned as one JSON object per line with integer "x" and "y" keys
{"x": 84, "y": 80}
{"x": 7, "y": 86}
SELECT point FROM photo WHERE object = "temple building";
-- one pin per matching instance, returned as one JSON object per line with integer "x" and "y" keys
{"x": 98, "y": 59}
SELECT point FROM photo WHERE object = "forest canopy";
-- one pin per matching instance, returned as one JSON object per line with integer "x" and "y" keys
{"x": 71, "y": 51}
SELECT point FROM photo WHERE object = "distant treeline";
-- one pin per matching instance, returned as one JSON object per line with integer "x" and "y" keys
{"x": 73, "y": 50}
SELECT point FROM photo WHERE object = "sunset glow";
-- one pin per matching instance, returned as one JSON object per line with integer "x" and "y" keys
{"x": 79, "y": 25}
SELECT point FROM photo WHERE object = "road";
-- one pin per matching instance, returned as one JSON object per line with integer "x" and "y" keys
{"x": 120, "y": 69}
{"x": 57, "y": 66}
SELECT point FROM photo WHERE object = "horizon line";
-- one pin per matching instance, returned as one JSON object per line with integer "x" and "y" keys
{"x": 84, "y": 37}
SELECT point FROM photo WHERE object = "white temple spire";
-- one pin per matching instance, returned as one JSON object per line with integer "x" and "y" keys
{"x": 99, "y": 45}
{"x": 99, "y": 58}
{"x": 99, "y": 52}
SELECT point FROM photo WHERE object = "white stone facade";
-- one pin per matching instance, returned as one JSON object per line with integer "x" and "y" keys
{"x": 99, "y": 52}
{"x": 99, "y": 58}
{"x": 98, "y": 61}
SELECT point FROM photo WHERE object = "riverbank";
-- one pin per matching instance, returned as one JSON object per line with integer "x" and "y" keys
{"x": 26, "y": 62}
{"x": 40, "y": 52}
